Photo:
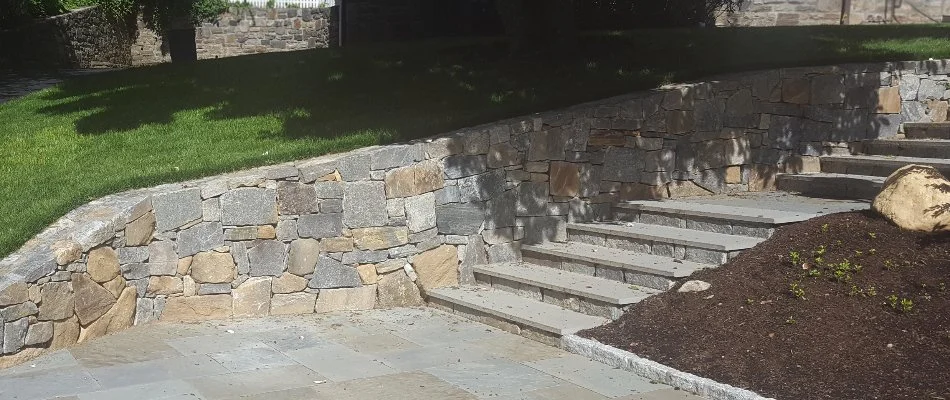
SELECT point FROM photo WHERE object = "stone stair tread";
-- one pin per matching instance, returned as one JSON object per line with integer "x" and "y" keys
{"x": 617, "y": 258}
{"x": 894, "y": 160}
{"x": 716, "y": 211}
{"x": 517, "y": 309}
{"x": 666, "y": 234}
{"x": 832, "y": 175}
{"x": 586, "y": 286}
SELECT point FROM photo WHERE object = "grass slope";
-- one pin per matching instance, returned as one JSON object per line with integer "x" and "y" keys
{"x": 100, "y": 134}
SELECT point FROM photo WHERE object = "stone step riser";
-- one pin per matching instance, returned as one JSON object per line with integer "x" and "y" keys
{"x": 495, "y": 321}
{"x": 927, "y": 131}
{"x": 569, "y": 301}
{"x": 601, "y": 271}
{"x": 832, "y": 188}
{"x": 715, "y": 225}
{"x": 659, "y": 248}
{"x": 909, "y": 149}
{"x": 866, "y": 168}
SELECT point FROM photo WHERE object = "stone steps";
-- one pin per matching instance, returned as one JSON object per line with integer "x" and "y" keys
{"x": 685, "y": 244}
{"x": 742, "y": 221}
{"x": 574, "y": 291}
{"x": 924, "y": 148}
{"x": 647, "y": 270}
{"x": 513, "y": 313}
{"x": 927, "y": 130}
{"x": 828, "y": 185}
{"x": 877, "y": 165}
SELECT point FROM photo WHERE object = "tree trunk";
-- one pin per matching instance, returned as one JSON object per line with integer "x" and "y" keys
{"x": 181, "y": 45}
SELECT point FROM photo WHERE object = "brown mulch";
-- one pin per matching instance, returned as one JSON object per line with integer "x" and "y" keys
{"x": 847, "y": 338}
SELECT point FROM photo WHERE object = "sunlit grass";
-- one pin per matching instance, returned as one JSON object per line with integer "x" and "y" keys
{"x": 106, "y": 133}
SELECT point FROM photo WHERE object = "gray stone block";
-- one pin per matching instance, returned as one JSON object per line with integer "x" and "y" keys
{"x": 267, "y": 258}
{"x": 296, "y": 198}
{"x": 319, "y": 226}
{"x": 332, "y": 274}
{"x": 355, "y": 167}
{"x": 214, "y": 288}
{"x": 18, "y": 311}
{"x": 365, "y": 257}
{"x": 544, "y": 229}
{"x": 287, "y": 230}
{"x": 622, "y": 165}
{"x": 14, "y": 335}
{"x": 396, "y": 156}
{"x": 331, "y": 206}
{"x": 482, "y": 187}
{"x": 174, "y": 209}
{"x": 133, "y": 271}
{"x": 39, "y": 333}
{"x": 328, "y": 190}
{"x": 448, "y": 194}
{"x": 420, "y": 212}
{"x": 460, "y": 219}
{"x": 364, "y": 204}
{"x": 504, "y": 252}
{"x": 249, "y": 206}
{"x": 931, "y": 89}
{"x": 202, "y": 237}
{"x": 239, "y": 254}
{"x": 132, "y": 254}
{"x": 532, "y": 199}
{"x": 460, "y": 166}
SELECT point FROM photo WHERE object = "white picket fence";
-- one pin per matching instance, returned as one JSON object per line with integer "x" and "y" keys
{"x": 284, "y": 3}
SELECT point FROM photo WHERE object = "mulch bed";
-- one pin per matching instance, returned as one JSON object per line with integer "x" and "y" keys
{"x": 862, "y": 312}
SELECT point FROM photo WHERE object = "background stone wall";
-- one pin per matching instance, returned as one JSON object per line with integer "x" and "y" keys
{"x": 81, "y": 39}
{"x": 380, "y": 226}
{"x": 828, "y": 12}
{"x": 247, "y": 31}
{"x": 88, "y": 39}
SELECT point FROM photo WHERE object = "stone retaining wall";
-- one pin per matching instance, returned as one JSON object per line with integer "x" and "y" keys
{"x": 85, "y": 38}
{"x": 828, "y": 12}
{"x": 379, "y": 226}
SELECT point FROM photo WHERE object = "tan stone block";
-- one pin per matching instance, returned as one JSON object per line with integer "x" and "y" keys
{"x": 66, "y": 251}
{"x": 380, "y": 238}
{"x": 679, "y": 122}
{"x": 57, "y": 301}
{"x": 266, "y": 232}
{"x": 119, "y": 317}
{"x": 888, "y": 100}
{"x": 762, "y": 178}
{"x": 65, "y": 333}
{"x": 293, "y": 303}
{"x": 14, "y": 294}
{"x": 164, "y": 285}
{"x": 414, "y": 180}
{"x": 331, "y": 177}
{"x": 641, "y": 191}
{"x": 565, "y": 179}
{"x": 734, "y": 174}
{"x": 189, "y": 287}
{"x": 92, "y": 301}
{"x": 252, "y": 298}
{"x": 23, "y": 356}
{"x": 140, "y": 231}
{"x": 938, "y": 110}
{"x": 368, "y": 274}
{"x": 115, "y": 286}
{"x": 303, "y": 256}
{"x": 437, "y": 268}
{"x": 337, "y": 245}
{"x": 288, "y": 283}
{"x": 184, "y": 265}
{"x": 686, "y": 189}
{"x": 796, "y": 91}
{"x": 102, "y": 265}
{"x": 197, "y": 308}
{"x": 347, "y": 299}
{"x": 604, "y": 137}
{"x": 397, "y": 290}
{"x": 213, "y": 267}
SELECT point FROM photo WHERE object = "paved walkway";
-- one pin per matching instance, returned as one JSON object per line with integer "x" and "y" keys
{"x": 18, "y": 84}
{"x": 382, "y": 354}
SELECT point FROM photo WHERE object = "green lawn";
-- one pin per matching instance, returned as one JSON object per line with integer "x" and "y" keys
{"x": 101, "y": 134}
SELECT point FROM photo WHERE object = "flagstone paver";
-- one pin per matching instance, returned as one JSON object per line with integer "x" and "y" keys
{"x": 409, "y": 353}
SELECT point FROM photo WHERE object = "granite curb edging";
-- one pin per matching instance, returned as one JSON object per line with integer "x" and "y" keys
{"x": 653, "y": 370}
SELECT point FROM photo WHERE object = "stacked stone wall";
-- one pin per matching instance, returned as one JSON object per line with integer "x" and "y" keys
{"x": 85, "y": 38}
{"x": 378, "y": 227}
{"x": 828, "y": 12}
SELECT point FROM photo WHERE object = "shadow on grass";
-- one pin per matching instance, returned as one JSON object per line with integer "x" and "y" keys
{"x": 419, "y": 89}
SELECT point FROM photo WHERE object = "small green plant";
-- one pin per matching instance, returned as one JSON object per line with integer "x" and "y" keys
{"x": 872, "y": 252}
{"x": 749, "y": 301}
{"x": 271, "y": 4}
{"x": 797, "y": 290}
{"x": 872, "y": 235}
{"x": 814, "y": 273}
{"x": 889, "y": 265}
{"x": 795, "y": 257}
{"x": 942, "y": 287}
{"x": 899, "y": 304}
{"x": 790, "y": 320}
{"x": 292, "y": 5}
{"x": 858, "y": 253}
{"x": 824, "y": 228}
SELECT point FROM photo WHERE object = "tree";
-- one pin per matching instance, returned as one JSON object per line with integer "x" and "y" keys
{"x": 173, "y": 20}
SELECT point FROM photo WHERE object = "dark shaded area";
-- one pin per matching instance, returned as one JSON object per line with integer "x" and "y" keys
{"x": 792, "y": 326}
{"x": 419, "y": 89}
